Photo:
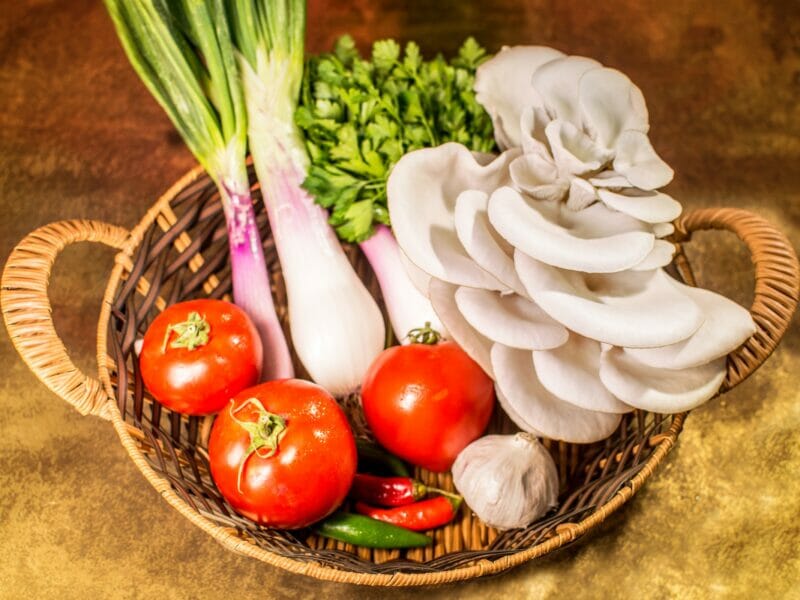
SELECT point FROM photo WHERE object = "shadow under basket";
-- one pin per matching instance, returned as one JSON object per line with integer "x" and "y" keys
{"x": 179, "y": 251}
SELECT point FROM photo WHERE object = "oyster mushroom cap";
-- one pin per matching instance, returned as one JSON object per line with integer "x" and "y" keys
{"x": 557, "y": 86}
{"x": 647, "y": 206}
{"x": 574, "y": 152}
{"x": 422, "y": 204}
{"x": 638, "y": 162}
{"x": 572, "y": 373}
{"x": 637, "y": 309}
{"x": 610, "y": 103}
{"x": 661, "y": 230}
{"x": 532, "y": 124}
{"x": 727, "y": 325}
{"x": 513, "y": 414}
{"x": 656, "y": 389}
{"x": 477, "y": 346}
{"x": 660, "y": 256}
{"x": 594, "y": 240}
{"x": 509, "y": 319}
{"x": 482, "y": 242}
{"x": 503, "y": 88}
{"x": 535, "y": 173}
{"x": 528, "y": 88}
{"x": 419, "y": 278}
{"x": 533, "y": 404}
{"x": 609, "y": 179}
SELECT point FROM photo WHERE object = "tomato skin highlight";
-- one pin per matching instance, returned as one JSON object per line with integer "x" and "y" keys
{"x": 312, "y": 470}
{"x": 425, "y": 403}
{"x": 201, "y": 380}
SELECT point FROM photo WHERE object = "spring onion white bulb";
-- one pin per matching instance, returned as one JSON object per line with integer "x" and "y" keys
{"x": 337, "y": 328}
{"x": 509, "y": 481}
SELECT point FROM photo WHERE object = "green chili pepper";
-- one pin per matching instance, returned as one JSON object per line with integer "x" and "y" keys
{"x": 371, "y": 533}
{"x": 370, "y": 452}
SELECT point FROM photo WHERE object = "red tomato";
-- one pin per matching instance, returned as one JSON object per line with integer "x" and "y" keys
{"x": 425, "y": 403}
{"x": 305, "y": 457}
{"x": 197, "y": 355}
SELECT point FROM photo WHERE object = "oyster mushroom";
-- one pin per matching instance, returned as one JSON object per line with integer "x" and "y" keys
{"x": 545, "y": 262}
{"x": 637, "y": 309}
{"x": 593, "y": 240}
{"x": 509, "y": 319}
{"x": 572, "y": 373}
{"x": 484, "y": 245}
{"x": 537, "y": 407}
{"x": 656, "y": 389}
{"x": 478, "y": 347}
{"x": 422, "y": 192}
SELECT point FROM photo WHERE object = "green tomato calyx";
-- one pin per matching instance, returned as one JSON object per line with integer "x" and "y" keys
{"x": 424, "y": 335}
{"x": 191, "y": 333}
{"x": 266, "y": 433}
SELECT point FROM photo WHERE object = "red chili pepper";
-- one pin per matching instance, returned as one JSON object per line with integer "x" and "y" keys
{"x": 387, "y": 491}
{"x": 419, "y": 516}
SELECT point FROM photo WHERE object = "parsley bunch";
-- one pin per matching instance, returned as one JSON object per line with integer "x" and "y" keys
{"x": 360, "y": 116}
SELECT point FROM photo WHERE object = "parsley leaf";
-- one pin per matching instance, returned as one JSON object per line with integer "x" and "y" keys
{"x": 360, "y": 116}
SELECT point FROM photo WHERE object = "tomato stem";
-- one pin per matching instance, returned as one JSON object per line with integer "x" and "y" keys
{"x": 266, "y": 432}
{"x": 192, "y": 333}
{"x": 424, "y": 335}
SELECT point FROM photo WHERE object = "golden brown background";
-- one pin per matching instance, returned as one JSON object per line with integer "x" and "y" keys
{"x": 80, "y": 137}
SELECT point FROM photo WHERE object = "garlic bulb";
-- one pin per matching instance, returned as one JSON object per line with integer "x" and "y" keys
{"x": 507, "y": 480}
{"x": 546, "y": 262}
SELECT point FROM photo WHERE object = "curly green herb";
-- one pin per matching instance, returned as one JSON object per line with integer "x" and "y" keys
{"x": 360, "y": 116}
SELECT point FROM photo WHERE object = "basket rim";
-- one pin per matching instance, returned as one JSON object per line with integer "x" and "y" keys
{"x": 564, "y": 535}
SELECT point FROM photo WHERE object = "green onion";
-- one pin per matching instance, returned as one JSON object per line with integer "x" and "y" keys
{"x": 337, "y": 328}
{"x": 183, "y": 52}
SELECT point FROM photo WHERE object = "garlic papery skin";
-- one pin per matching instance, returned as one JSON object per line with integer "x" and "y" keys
{"x": 509, "y": 481}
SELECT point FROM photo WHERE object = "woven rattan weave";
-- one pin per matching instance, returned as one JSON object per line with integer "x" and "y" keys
{"x": 179, "y": 251}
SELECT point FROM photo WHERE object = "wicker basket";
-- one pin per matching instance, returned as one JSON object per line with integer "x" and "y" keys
{"x": 179, "y": 251}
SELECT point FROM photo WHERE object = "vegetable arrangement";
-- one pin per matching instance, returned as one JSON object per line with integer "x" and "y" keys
{"x": 543, "y": 263}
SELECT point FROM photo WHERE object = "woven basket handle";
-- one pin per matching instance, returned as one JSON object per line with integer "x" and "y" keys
{"x": 777, "y": 281}
{"x": 28, "y": 314}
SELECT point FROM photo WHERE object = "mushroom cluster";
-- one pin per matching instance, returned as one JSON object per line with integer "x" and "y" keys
{"x": 545, "y": 262}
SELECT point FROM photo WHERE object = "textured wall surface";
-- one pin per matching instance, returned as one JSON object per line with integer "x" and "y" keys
{"x": 80, "y": 137}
